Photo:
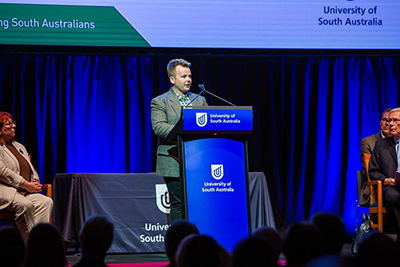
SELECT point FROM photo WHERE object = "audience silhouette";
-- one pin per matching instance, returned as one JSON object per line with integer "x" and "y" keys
{"x": 302, "y": 243}
{"x": 272, "y": 238}
{"x": 96, "y": 238}
{"x": 254, "y": 252}
{"x": 12, "y": 247}
{"x": 331, "y": 228}
{"x": 305, "y": 244}
{"x": 377, "y": 249}
{"x": 175, "y": 233}
{"x": 45, "y": 247}
{"x": 199, "y": 251}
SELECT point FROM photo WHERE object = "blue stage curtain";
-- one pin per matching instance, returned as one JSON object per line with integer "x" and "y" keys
{"x": 81, "y": 113}
{"x": 318, "y": 111}
{"x": 91, "y": 113}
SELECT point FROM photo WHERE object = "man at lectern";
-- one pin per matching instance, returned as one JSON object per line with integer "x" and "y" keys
{"x": 165, "y": 113}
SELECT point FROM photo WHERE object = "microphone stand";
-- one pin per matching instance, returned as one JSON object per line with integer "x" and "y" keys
{"x": 202, "y": 91}
{"x": 201, "y": 86}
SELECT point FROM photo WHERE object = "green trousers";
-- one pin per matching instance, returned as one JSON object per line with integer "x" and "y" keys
{"x": 174, "y": 189}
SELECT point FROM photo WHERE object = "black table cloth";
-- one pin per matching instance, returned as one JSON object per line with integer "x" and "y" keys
{"x": 136, "y": 203}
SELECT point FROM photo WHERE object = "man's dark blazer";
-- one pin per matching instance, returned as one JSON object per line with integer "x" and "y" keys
{"x": 383, "y": 162}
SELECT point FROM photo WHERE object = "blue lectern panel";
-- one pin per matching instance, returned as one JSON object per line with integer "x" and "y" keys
{"x": 212, "y": 119}
{"x": 216, "y": 189}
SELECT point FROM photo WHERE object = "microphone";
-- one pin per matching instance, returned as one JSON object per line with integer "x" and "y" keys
{"x": 202, "y": 91}
{"x": 201, "y": 86}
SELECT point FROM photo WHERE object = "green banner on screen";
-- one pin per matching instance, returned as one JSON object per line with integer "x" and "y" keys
{"x": 66, "y": 25}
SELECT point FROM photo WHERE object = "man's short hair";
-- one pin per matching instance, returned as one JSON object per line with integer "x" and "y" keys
{"x": 393, "y": 110}
{"x": 96, "y": 236}
{"x": 386, "y": 111}
{"x": 171, "y": 67}
{"x": 332, "y": 232}
{"x": 175, "y": 233}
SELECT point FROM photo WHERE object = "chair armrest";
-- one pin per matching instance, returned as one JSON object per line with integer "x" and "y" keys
{"x": 374, "y": 182}
{"x": 47, "y": 187}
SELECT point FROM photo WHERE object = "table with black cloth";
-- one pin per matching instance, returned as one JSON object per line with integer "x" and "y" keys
{"x": 135, "y": 203}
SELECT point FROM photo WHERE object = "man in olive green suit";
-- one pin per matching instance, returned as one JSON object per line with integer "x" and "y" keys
{"x": 367, "y": 146}
{"x": 165, "y": 113}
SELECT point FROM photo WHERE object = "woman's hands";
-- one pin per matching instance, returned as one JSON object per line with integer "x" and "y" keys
{"x": 32, "y": 187}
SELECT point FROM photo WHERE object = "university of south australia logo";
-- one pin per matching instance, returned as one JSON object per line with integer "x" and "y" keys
{"x": 201, "y": 119}
{"x": 162, "y": 198}
{"x": 217, "y": 171}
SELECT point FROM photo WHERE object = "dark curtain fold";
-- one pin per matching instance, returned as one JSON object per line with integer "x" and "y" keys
{"x": 91, "y": 113}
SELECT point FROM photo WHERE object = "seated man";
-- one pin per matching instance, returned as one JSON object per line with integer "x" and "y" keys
{"x": 383, "y": 166}
{"x": 366, "y": 147}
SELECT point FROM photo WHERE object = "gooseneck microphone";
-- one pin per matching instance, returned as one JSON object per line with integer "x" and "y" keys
{"x": 203, "y": 89}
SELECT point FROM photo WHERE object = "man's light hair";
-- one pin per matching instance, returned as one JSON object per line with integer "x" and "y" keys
{"x": 393, "y": 110}
{"x": 171, "y": 67}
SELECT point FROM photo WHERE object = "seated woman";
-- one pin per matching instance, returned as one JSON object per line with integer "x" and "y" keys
{"x": 19, "y": 182}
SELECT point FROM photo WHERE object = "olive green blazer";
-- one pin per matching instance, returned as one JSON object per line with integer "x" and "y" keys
{"x": 367, "y": 146}
{"x": 165, "y": 113}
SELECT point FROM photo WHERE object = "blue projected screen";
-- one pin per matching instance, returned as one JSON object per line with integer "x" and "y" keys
{"x": 301, "y": 24}
{"x": 217, "y": 190}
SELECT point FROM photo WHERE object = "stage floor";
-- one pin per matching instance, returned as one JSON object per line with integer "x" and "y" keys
{"x": 161, "y": 257}
{"x": 125, "y": 258}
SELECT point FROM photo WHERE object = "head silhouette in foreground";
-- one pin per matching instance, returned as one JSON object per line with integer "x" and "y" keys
{"x": 96, "y": 238}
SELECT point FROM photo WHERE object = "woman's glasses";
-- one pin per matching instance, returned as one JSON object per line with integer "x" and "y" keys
{"x": 10, "y": 124}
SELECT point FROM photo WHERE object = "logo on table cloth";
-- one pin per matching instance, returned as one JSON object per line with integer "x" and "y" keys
{"x": 162, "y": 198}
{"x": 201, "y": 119}
{"x": 217, "y": 171}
